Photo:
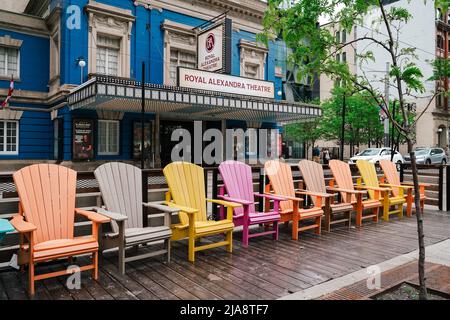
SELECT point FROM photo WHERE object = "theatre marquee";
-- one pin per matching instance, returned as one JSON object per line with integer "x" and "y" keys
{"x": 203, "y": 80}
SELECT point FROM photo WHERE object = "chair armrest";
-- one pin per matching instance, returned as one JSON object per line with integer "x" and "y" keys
{"x": 396, "y": 186}
{"x": 21, "y": 225}
{"x": 426, "y": 185}
{"x": 372, "y": 188}
{"x": 190, "y": 211}
{"x": 240, "y": 201}
{"x": 270, "y": 196}
{"x": 346, "y": 190}
{"x": 315, "y": 194}
{"x": 225, "y": 203}
{"x": 160, "y": 205}
{"x": 112, "y": 215}
{"x": 93, "y": 216}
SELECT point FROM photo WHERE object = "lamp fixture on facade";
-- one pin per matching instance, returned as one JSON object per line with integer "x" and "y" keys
{"x": 81, "y": 63}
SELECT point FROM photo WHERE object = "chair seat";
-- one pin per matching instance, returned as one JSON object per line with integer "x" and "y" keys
{"x": 341, "y": 207}
{"x": 209, "y": 227}
{"x": 260, "y": 217}
{"x": 396, "y": 200}
{"x": 371, "y": 203}
{"x": 143, "y": 235}
{"x": 59, "y": 248}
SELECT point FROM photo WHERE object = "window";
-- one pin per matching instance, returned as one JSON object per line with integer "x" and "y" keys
{"x": 182, "y": 59}
{"x": 108, "y": 50}
{"x": 108, "y": 137}
{"x": 9, "y": 137}
{"x": 9, "y": 62}
{"x": 338, "y": 57}
{"x": 344, "y": 57}
{"x": 338, "y": 37}
{"x": 344, "y": 36}
{"x": 440, "y": 42}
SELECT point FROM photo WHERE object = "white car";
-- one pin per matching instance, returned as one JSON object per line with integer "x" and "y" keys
{"x": 374, "y": 155}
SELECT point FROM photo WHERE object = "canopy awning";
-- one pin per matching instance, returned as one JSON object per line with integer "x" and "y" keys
{"x": 120, "y": 94}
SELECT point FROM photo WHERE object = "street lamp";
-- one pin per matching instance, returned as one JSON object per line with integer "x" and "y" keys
{"x": 81, "y": 64}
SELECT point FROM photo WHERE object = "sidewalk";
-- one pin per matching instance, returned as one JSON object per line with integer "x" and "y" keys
{"x": 437, "y": 254}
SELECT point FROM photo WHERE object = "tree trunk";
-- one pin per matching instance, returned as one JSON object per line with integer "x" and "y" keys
{"x": 423, "y": 289}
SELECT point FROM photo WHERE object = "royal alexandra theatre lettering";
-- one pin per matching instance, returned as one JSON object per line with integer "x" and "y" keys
{"x": 196, "y": 79}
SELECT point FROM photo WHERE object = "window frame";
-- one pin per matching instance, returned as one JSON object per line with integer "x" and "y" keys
{"x": 7, "y": 75}
{"x": 4, "y": 142}
{"x": 108, "y": 152}
{"x": 107, "y": 47}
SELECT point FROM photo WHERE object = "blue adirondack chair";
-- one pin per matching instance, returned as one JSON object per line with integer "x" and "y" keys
{"x": 5, "y": 227}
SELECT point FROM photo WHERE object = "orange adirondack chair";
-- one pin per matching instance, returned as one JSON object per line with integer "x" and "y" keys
{"x": 314, "y": 178}
{"x": 282, "y": 184}
{"x": 376, "y": 192}
{"x": 46, "y": 219}
{"x": 343, "y": 178}
{"x": 393, "y": 181}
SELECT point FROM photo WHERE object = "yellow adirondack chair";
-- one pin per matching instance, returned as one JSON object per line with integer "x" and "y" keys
{"x": 371, "y": 184}
{"x": 393, "y": 181}
{"x": 187, "y": 192}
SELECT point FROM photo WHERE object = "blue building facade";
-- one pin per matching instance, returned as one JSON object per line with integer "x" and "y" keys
{"x": 59, "y": 46}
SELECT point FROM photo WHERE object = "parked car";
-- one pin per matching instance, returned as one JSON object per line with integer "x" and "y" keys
{"x": 374, "y": 155}
{"x": 428, "y": 156}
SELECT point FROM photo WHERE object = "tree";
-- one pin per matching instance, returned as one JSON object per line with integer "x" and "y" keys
{"x": 314, "y": 50}
{"x": 362, "y": 121}
{"x": 307, "y": 132}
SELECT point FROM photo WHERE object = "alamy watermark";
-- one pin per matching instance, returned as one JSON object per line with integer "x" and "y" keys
{"x": 252, "y": 145}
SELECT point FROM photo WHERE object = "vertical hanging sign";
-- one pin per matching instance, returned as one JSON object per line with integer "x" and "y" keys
{"x": 214, "y": 48}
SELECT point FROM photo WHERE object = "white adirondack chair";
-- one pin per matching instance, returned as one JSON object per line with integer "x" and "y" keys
{"x": 121, "y": 189}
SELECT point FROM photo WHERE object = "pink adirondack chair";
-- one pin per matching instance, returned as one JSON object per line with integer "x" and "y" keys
{"x": 238, "y": 187}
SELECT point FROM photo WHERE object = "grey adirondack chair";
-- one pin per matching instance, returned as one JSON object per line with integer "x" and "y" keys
{"x": 121, "y": 188}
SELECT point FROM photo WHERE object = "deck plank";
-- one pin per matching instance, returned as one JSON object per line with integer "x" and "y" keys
{"x": 267, "y": 269}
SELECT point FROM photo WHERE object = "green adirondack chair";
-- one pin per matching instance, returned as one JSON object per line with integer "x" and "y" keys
{"x": 5, "y": 227}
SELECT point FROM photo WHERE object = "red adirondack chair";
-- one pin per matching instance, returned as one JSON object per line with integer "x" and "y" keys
{"x": 46, "y": 218}
{"x": 238, "y": 187}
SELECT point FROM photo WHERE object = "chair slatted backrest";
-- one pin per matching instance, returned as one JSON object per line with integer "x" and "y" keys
{"x": 187, "y": 187}
{"x": 312, "y": 173}
{"x": 280, "y": 176}
{"x": 121, "y": 188}
{"x": 47, "y": 198}
{"x": 238, "y": 180}
{"x": 390, "y": 172}
{"x": 369, "y": 175}
{"x": 342, "y": 175}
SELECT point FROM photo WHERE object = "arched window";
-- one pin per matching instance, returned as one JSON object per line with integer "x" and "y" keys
{"x": 338, "y": 37}
{"x": 439, "y": 15}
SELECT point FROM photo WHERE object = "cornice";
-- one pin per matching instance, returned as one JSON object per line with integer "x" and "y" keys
{"x": 23, "y": 23}
{"x": 246, "y": 14}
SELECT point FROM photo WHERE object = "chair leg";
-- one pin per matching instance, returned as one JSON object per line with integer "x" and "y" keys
{"x": 168, "y": 244}
{"x": 319, "y": 225}
{"x": 349, "y": 219}
{"x": 328, "y": 221}
{"x": 275, "y": 228}
{"x": 245, "y": 233}
{"x": 359, "y": 215}
{"x": 400, "y": 211}
{"x": 409, "y": 202}
{"x": 191, "y": 252}
{"x": 95, "y": 263}
{"x": 386, "y": 211}
{"x": 295, "y": 229}
{"x": 31, "y": 278}
{"x": 121, "y": 254}
{"x": 376, "y": 212}
{"x": 230, "y": 241}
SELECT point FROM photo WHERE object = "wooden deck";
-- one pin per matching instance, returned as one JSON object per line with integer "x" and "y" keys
{"x": 266, "y": 270}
